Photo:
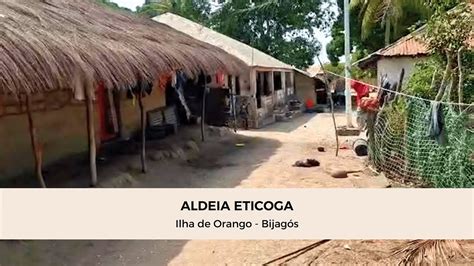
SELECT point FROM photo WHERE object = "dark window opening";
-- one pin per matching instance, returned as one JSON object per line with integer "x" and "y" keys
{"x": 237, "y": 86}
{"x": 259, "y": 90}
{"x": 229, "y": 81}
{"x": 277, "y": 81}
{"x": 288, "y": 82}
{"x": 263, "y": 86}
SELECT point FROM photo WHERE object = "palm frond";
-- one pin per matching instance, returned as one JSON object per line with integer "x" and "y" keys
{"x": 418, "y": 5}
{"x": 260, "y": 7}
{"x": 354, "y": 4}
{"x": 371, "y": 17}
{"x": 418, "y": 252}
{"x": 162, "y": 7}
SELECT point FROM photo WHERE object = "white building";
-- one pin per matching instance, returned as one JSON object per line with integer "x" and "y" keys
{"x": 268, "y": 83}
{"x": 402, "y": 54}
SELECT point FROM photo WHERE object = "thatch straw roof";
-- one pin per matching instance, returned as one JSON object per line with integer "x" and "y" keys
{"x": 49, "y": 44}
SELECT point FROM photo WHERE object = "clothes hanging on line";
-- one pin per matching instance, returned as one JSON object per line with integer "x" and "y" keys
{"x": 141, "y": 86}
{"x": 361, "y": 89}
{"x": 163, "y": 80}
{"x": 220, "y": 78}
{"x": 436, "y": 128}
{"x": 383, "y": 93}
{"x": 179, "y": 80}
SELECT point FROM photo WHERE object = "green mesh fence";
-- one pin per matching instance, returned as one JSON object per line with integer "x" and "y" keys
{"x": 400, "y": 145}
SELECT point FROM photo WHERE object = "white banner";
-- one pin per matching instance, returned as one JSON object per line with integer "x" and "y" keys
{"x": 237, "y": 214}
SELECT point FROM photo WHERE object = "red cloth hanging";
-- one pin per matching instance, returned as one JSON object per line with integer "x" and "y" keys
{"x": 220, "y": 79}
{"x": 361, "y": 89}
{"x": 163, "y": 80}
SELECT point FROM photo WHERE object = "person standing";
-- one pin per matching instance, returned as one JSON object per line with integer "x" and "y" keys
{"x": 362, "y": 90}
{"x": 244, "y": 114}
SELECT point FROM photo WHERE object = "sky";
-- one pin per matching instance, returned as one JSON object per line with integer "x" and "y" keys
{"x": 321, "y": 37}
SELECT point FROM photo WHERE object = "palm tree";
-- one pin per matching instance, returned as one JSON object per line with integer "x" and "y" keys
{"x": 390, "y": 14}
{"x": 154, "y": 8}
{"x": 197, "y": 10}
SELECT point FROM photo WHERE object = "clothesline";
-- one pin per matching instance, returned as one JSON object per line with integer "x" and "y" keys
{"x": 400, "y": 93}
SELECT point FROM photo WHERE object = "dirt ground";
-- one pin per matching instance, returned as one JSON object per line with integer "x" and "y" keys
{"x": 229, "y": 252}
{"x": 264, "y": 161}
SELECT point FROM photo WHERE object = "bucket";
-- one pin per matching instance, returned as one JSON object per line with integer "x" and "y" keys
{"x": 360, "y": 147}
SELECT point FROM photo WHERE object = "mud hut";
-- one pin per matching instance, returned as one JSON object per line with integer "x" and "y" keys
{"x": 57, "y": 56}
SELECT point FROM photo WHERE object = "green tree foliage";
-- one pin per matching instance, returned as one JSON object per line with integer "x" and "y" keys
{"x": 112, "y": 5}
{"x": 442, "y": 5}
{"x": 196, "y": 10}
{"x": 283, "y": 28}
{"x": 334, "y": 68}
{"x": 359, "y": 46}
{"x": 447, "y": 32}
{"x": 394, "y": 16}
{"x": 355, "y": 72}
{"x": 420, "y": 82}
{"x": 368, "y": 30}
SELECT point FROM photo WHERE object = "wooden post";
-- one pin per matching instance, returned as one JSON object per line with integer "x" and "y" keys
{"x": 203, "y": 116}
{"x": 37, "y": 150}
{"x": 143, "y": 130}
{"x": 253, "y": 114}
{"x": 460, "y": 80}
{"x": 328, "y": 92}
{"x": 89, "y": 92}
{"x": 446, "y": 74}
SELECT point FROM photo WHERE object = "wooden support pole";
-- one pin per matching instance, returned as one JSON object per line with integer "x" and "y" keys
{"x": 37, "y": 150}
{"x": 203, "y": 116}
{"x": 460, "y": 80}
{"x": 143, "y": 131}
{"x": 91, "y": 134}
{"x": 446, "y": 74}
{"x": 328, "y": 92}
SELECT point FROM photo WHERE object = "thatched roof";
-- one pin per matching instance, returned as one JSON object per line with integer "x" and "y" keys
{"x": 48, "y": 44}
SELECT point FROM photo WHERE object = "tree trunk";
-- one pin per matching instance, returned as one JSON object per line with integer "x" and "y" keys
{"x": 143, "y": 132}
{"x": 460, "y": 81}
{"x": 371, "y": 118}
{"x": 447, "y": 71}
{"x": 387, "y": 31}
{"x": 331, "y": 102}
{"x": 91, "y": 135}
{"x": 37, "y": 150}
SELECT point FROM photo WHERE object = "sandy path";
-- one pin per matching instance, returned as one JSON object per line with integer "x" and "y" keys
{"x": 266, "y": 160}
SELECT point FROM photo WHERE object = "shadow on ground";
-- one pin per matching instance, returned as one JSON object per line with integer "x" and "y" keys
{"x": 86, "y": 252}
{"x": 221, "y": 162}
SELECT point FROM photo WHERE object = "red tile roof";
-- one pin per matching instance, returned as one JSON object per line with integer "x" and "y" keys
{"x": 409, "y": 45}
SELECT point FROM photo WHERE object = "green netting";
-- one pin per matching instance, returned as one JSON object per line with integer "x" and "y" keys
{"x": 401, "y": 146}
